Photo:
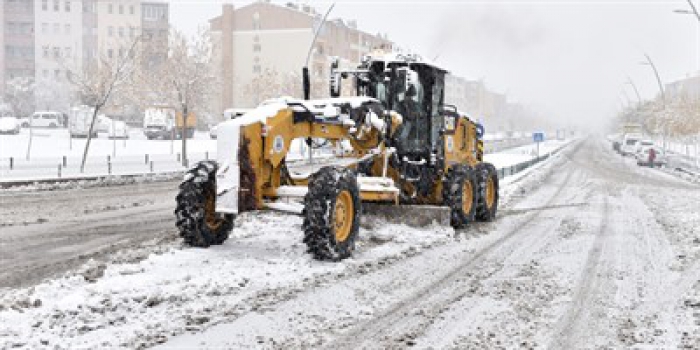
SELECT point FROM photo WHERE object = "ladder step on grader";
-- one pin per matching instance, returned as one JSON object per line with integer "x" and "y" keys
{"x": 394, "y": 142}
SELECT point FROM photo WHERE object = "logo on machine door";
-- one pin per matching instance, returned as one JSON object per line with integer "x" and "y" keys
{"x": 278, "y": 144}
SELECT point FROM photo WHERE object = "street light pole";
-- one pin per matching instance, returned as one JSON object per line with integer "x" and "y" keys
{"x": 686, "y": 12}
{"x": 636, "y": 91}
{"x": 649, "y": 62}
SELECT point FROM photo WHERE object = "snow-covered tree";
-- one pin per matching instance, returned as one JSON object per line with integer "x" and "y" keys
{"x": 53, "y": 95}
{"x": 186, "y": 80}
{"x": 270, "y": 84}
{"x": 112, "y": 74}
{"x": 19, "y": 93}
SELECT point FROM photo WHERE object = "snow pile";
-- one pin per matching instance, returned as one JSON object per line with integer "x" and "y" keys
{"x": 180, "y": 290}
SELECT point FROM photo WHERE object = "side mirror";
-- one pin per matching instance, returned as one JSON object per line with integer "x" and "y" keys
{"x": 411, "y": 78}
{"x": 335, "y": 78}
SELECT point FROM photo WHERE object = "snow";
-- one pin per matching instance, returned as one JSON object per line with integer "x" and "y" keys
{"x": 180, "y": 290}
{"x": 127, "y": 157}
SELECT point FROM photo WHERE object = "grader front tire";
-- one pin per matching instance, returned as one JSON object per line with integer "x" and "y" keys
{"x": 460, "y": 194}
{"x": 332, "y": 214}
{"x": 197, "y": 221}
{"x": 487, "y": 180}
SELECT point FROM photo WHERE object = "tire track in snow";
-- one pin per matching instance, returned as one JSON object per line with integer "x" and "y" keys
{"x": 376, "y": 327}
{"x": 565, "y": 336}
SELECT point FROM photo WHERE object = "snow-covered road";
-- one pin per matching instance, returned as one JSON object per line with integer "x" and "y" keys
{"x": 588, "y": 251}
{"x": 45, "y": 232}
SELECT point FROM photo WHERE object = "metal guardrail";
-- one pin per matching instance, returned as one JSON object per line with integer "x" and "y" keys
{"x": 69, "y": 167}
{"x": 60, "y": 169}
{"x": 519, "y": 167}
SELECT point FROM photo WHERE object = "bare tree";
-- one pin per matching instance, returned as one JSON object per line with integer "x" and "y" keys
{"x": 270, "y": 84}
{"x": 186, "y": 79}
{"x": 99, "y": 82}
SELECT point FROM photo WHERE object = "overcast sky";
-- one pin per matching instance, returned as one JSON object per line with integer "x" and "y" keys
{"x": 567, "y": 58}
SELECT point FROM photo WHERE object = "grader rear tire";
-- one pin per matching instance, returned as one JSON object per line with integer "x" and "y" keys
{"x": 487, "y": 181}
{"x": 332, "y": 214}
{"x": 199, "y": 224}
{"x": 460, "y": 194}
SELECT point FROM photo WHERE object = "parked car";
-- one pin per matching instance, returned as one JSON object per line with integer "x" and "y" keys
{"x": 47, "y": 119}
{"x": 641, "y": 145}
{"x": 8, "y": 123}
{"x": 629, "y": 142}
{"x": 643, "y": 157}
{"x": 103, "y": 123}
{"x": 118, "y": 130}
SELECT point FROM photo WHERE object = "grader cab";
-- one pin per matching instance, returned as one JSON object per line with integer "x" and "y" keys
{"x": 395, "y": 142}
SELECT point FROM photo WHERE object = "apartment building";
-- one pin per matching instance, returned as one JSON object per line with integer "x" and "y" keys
{"x": 48, "y": 40}
{"x": 260, "y": 38}
{"x": 155, "y": 28}
{"x": 686, "y": 87}
{"x": 17, "y": 39}
{"x": 118, "y": 24}
{"x": 2, "y": 50}
{"x": 58, "y": 47}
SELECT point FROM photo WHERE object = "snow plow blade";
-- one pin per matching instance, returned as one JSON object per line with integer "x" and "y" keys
{"x": 409, "y": 215}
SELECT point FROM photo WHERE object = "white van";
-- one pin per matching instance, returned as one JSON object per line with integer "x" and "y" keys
{"x": 629, "y": 144}
{"x": 80, "y": 119}
{"x": 118, "y": 130}
{"x": 47, "y": 119}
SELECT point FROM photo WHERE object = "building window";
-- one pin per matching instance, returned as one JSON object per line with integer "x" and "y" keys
{"x": 67, "y": 5}
{"x": 121, "y": 9}
{"x": 56, "y": 5}
{"x": 131, "y": 10}
{"x": 57, "y": 73}
{"x": 46, "y": 73}
{"x": 154, "y": 13}
{"x": 46, "y": 51}
{"x": 121, "y": 53}
{"x": 56, "y": 52}
{"x": 256, "y": 21}
{"x": 56, "y": 28}
{"x": 110, "y": 31}
{"x": 256, "y": 68}
{"x": 256, "y": 48}
{"x": 121, "y": 32}
{"x": 67, "y": 28}
{"x": 110, "y": 9}
{"x": 44, "y": 5}
{"x": 68, "y": 52}
{"x": 45, "y": 28}
{"x": 110, "y": 53}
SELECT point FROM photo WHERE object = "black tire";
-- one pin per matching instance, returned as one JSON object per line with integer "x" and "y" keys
{"x": 199, "y": 225}
{"x": 328, "y": 187}
{"x": 457, "y": 178}
{"x": 486, "y": 209}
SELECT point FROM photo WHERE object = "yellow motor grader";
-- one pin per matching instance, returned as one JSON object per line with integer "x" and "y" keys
{"x": 394, "y": 142}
